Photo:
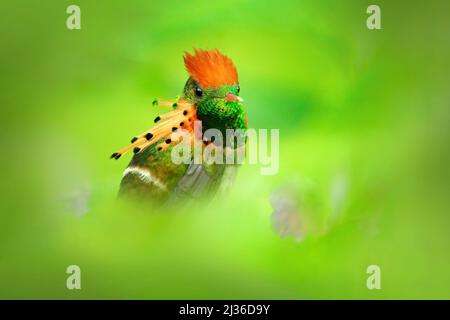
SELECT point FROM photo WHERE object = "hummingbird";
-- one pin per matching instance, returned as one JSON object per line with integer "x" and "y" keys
{"x": 210, "y": 101}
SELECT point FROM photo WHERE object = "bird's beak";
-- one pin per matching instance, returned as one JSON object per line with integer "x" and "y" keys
{"x": 232, "y": 97}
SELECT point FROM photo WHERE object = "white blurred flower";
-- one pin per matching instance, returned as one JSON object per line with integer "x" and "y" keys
{"x": 286, "y": 215}
{"x": 77, "y": 201}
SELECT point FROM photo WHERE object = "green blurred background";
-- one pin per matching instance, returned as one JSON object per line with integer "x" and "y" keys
{"x": 364, "y": 150}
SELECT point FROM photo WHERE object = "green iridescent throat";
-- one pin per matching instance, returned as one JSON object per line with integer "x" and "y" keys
{"x": 212, "y": 108}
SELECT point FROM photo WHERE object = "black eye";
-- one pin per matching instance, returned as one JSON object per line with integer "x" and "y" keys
{"x": 198, "y": 91}
{"x": 238, "y": 89}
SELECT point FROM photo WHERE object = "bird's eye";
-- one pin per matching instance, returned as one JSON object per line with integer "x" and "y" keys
{"x": 238, "y": 89}
{"x": 198, "y": 91}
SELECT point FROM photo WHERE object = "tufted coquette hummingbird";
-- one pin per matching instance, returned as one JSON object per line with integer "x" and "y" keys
{"x": 209, "y": 101}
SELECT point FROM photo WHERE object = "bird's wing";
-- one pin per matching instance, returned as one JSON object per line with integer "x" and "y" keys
{"x": 199, "y": 180}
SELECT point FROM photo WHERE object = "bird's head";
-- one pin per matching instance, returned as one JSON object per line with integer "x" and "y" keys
{"x": 213, "y": 88}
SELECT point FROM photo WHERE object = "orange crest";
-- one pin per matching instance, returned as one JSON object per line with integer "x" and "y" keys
{"x": 211, "y": 68}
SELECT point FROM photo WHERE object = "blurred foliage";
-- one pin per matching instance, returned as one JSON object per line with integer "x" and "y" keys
{"x": 364, "y": 149}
